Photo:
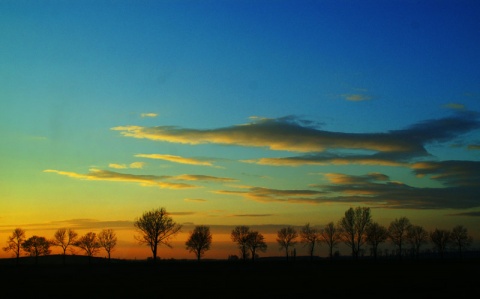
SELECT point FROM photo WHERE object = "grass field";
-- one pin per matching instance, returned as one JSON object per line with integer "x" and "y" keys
{"x": 236, "y": 279}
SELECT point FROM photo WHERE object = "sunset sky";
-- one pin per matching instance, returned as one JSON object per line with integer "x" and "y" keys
{"x": 258, "y": 113}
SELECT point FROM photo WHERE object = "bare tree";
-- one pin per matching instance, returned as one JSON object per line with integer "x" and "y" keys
{"x": 156, "y": 228}
{"x": 353, "y": 225}
{"x": 440, "y": 238}
{"x": 89, "y": 243}
{"x": 199, "y": 241}
{"x": 397, "y": 232}
{"x": 460, "y": 238}
{"x": 240, "y": 235}
{"x": 107, "y": 239}
{"x": 256, "y": 241}
{"x": 310, "y": 236}
{"x": 36, "y": 246}
{"x": 417, "y": 236}
{"x": 331, "y": 235}
{"x": 14, "y": 243}
{"x": 375, "y": 235}
{"x": 286, "y": 238}
{"x": 64, "y": 238}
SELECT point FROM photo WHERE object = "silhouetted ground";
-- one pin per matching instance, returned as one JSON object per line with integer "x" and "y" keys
{"x": 272, "y": 278}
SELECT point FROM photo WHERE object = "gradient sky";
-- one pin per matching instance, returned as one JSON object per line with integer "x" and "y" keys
{"x": 258, "y": 113}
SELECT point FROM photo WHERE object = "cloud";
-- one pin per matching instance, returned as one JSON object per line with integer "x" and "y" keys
{"x": 356, "y": 97}
{"x": 252, "y": 215}
{"x": 143, "y": 180}
{"x": 378, "y": 190}
{"x": 195, "y": 200}
{"x": 76, "y": 224}
{"x": 198, "y": 177}
{"x": 276, "y": 195}
{"x": 329, "y": 159}
{"x": 468, "y": 214}
{"x": 291, "y": 134}
{"x": 136, "y": 165}
{"x": 451, "y": 173}
{"x": 473, "y": 147}
{"x": 454, "y": 106}
{"x": 175, "y": 159}
{"x": 149, "y": 115}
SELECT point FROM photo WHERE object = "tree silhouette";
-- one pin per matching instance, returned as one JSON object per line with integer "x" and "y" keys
{"x": 460, "y": 238}
{"x": 89, "y": 243}
{"x": 36, "y": 246}
{"x": 397, "y": 233}
{"x": 256, "y": 241}
{"x": 353, "y": 225}
{"x": 199, "y": 241}
{"x": 240, "y": 235}
{"x": 64, "y": 238}
{"x": 331, "y": 235}
{"x": 440, "y": 238}
{"x": 375, "y": 235}
{"x": 15, "y": 242}
{"x": 310, "y": 236}
{"x": 156, "y": 228}
{"x": 417, "y": 236}
{"x": 286, "y": 238}
{"x": 107, "y": 239}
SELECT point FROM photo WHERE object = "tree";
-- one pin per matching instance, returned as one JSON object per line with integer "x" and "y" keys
{"x": 14, "y": 243}
{"x": 36, "y": 246}
{"x": 107, "y": 239}
{"x": 397, "y": 232}
{"x": 310, "y": 236}
{"x": 199, "y": 241}
{"x": 460, "y": 238}
{"x": 417, "y": 236}
{"x": 64, "y": 238}
{"x": 286, "y": 238}
{"x": 375, "y": 235}
{"x": 156, "y": 228}
{"x": 353, "y": 226}
{"x": 240, "y": 235}
{"x": 256, "y": 241}
{"x": 331, "y": 234}
{"x": 89, "y": 243}
{"x": 440, "y": 238}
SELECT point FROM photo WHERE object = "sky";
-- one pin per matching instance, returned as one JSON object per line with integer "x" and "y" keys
{"x": 257, "y": 113}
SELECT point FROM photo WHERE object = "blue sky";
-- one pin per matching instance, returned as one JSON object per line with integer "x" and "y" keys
{"x": 238, "y": 112}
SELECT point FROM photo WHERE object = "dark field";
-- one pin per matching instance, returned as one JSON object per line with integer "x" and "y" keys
{"x": 236, "y": 279}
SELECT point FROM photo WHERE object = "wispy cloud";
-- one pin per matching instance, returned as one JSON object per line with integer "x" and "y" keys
{"x": 143, "y": 180}
{"x": 176, "y": 159}
{"x": 356, "y": 97}
{"x": 252, "y": 215}
{"x": 199, "y": 177}
{"x": 454, "y": 106}
{"x": 290, "y": 134}
{"x": 136, "y": 165}
{"x": 276, "y": 195}
{"x": 331, "y": 159}
{"x": 149, "y": 114}
{"x": 451, "y": 173}
{"x": 378, "y": 190}
{"x": 195, "y": 199}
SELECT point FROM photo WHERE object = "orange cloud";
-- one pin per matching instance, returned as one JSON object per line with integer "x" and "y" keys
{"x": 105, "y": 175}
{"x": 175, "y": 159}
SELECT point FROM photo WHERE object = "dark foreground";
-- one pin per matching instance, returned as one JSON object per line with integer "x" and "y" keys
{"x": 236, "y": 279}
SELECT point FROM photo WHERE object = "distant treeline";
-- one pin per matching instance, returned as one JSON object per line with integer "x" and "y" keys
{"x": 355, "y": 229}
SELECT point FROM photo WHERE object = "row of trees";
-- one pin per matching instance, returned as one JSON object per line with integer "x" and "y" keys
{"x": 65, "y": 238}
{"x": 355, "y": 229}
